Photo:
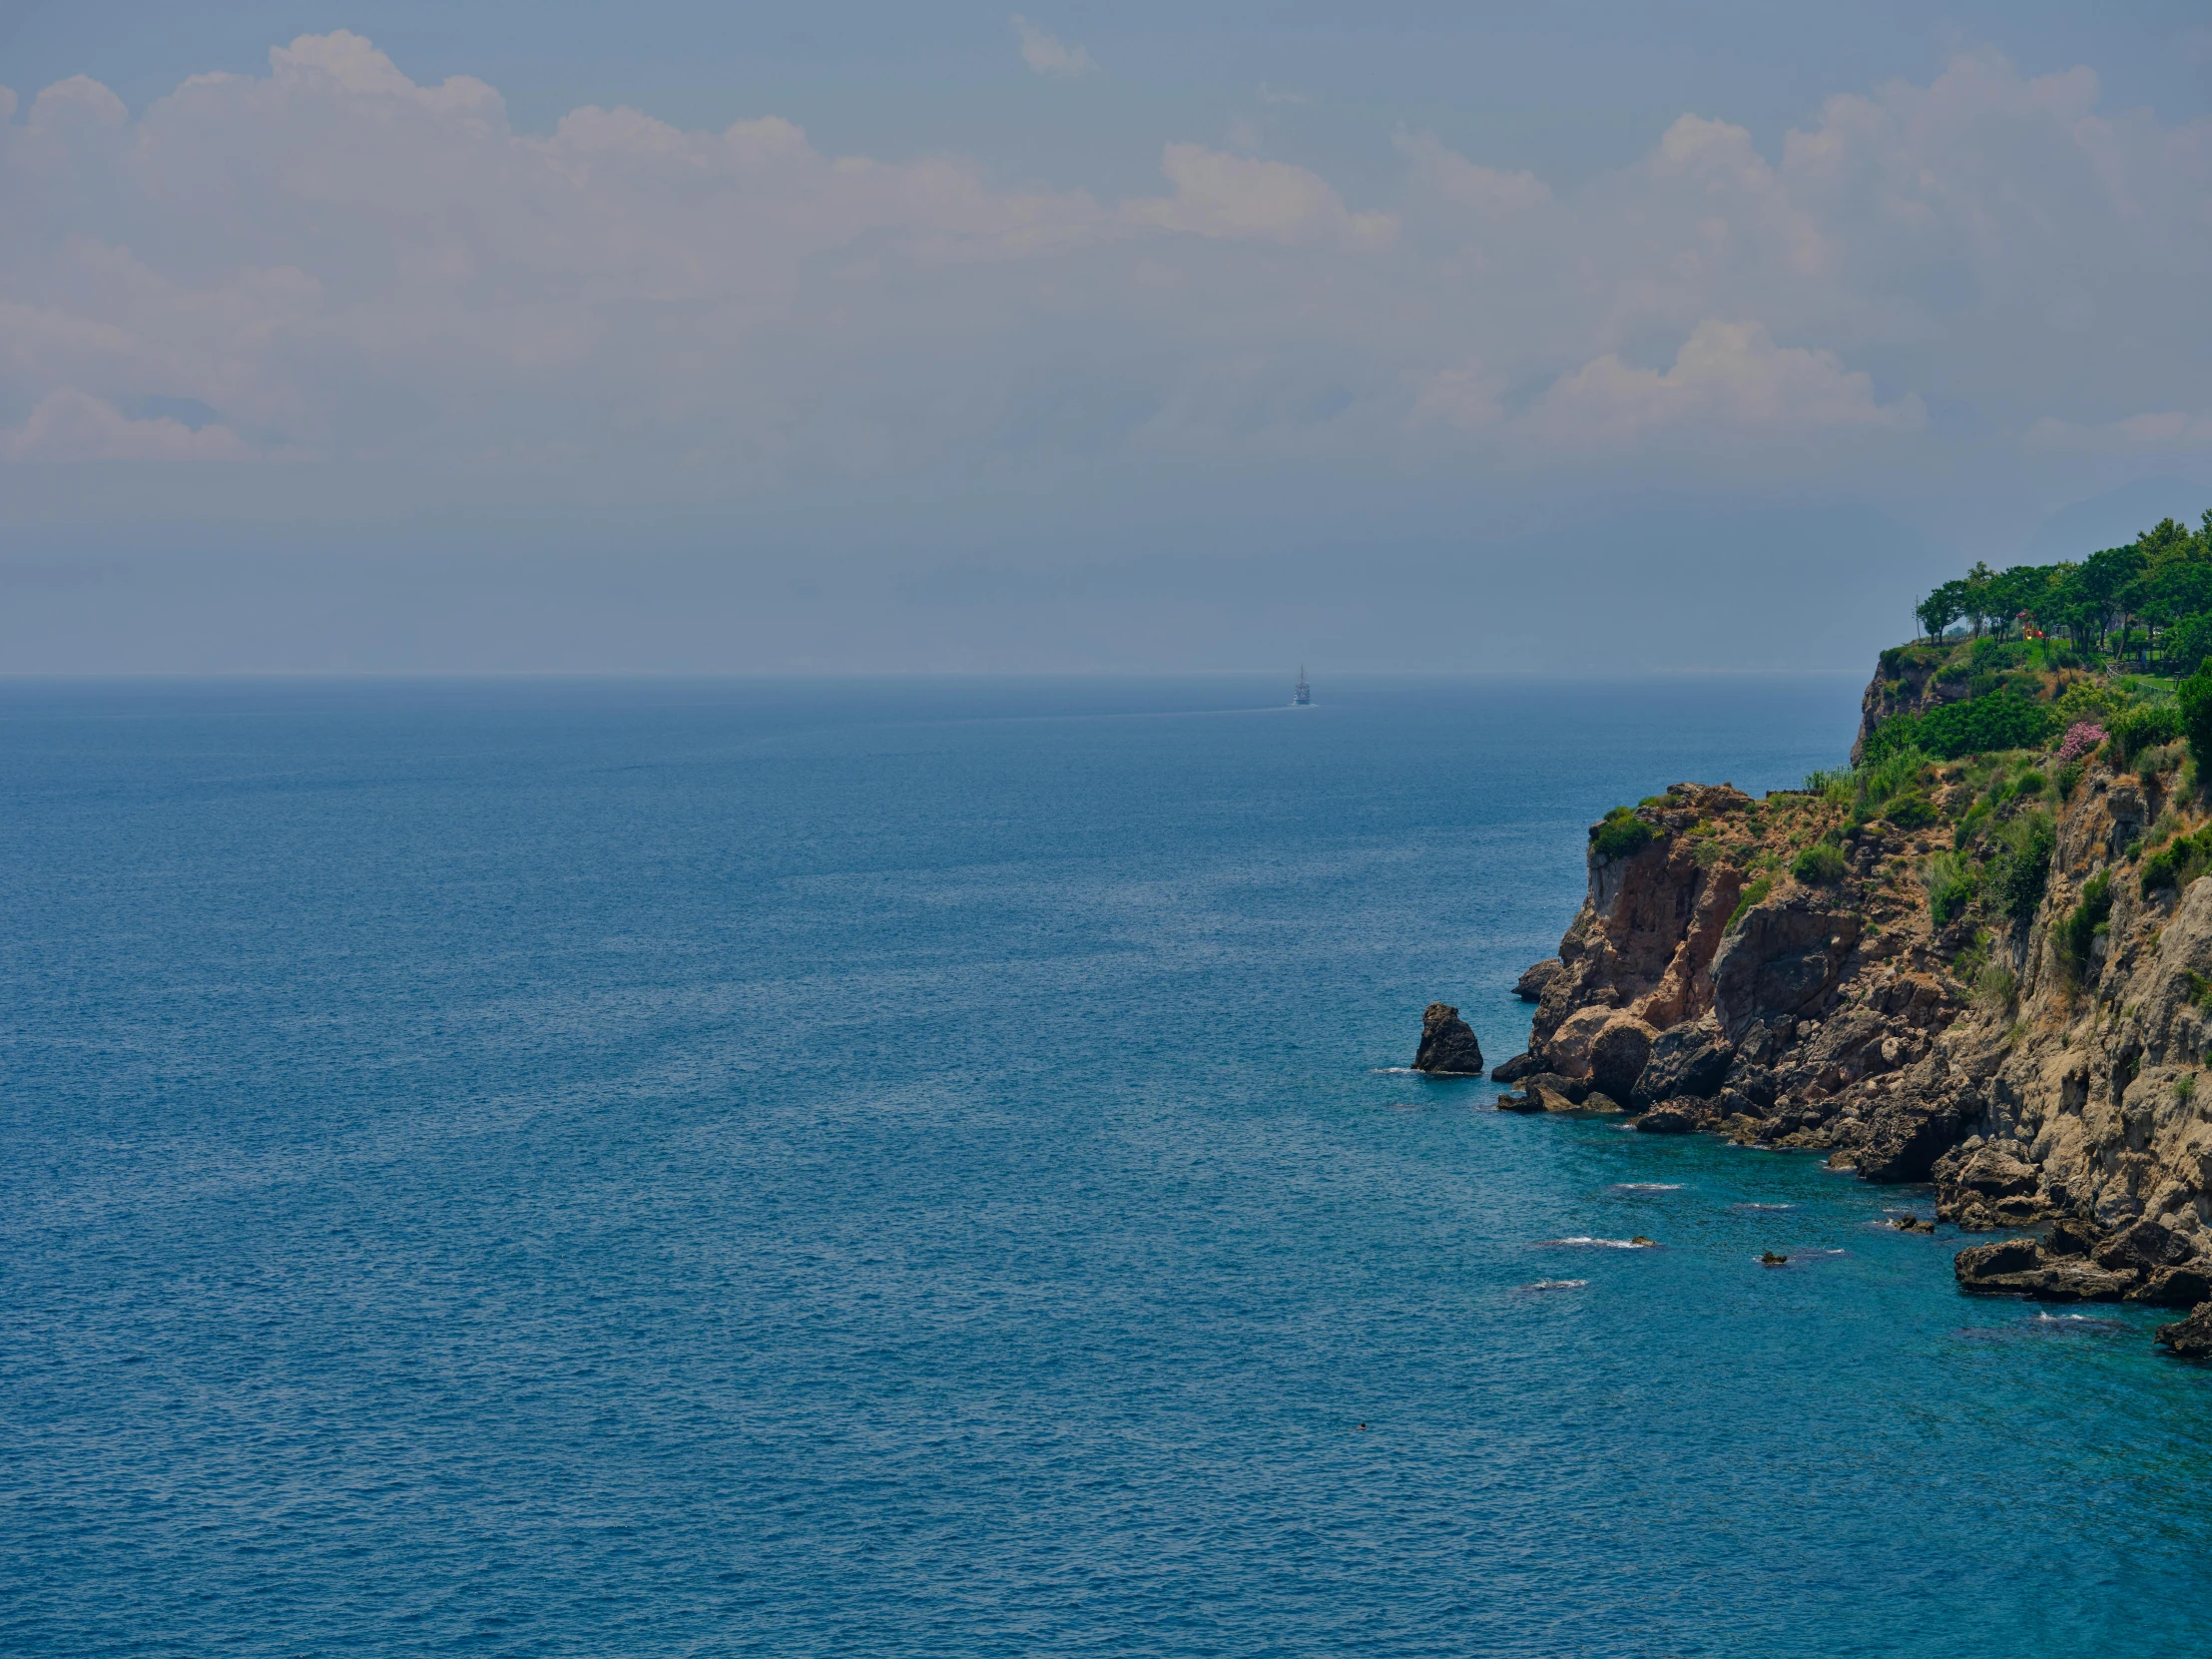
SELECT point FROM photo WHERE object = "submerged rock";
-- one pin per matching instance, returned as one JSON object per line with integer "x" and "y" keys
{"x": 1447, "y": 1046}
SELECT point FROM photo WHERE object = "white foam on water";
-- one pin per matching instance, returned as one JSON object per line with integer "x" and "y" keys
{"x": 1556, "y": 1285}
{"x": 1762, "y": 1206}
{"x": 1597, "y": 1243}
{"x": 1647, "y": 1186}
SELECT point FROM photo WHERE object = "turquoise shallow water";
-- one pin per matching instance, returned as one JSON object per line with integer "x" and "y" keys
{"x": 911, "y": 1169}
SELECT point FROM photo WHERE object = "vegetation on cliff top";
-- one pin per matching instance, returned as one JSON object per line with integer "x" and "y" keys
{"x": 1977, "y": 741}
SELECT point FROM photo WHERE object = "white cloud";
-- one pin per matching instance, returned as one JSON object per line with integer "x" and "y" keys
{"x": 1049, "y": 55}
{"x": 1727, "y": 374}
{"x": 1221, "y": 194}
{"x": 334, "y": 257}
{"x": 70, "y": 426}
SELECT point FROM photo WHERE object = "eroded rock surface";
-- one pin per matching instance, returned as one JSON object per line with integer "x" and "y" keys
{"x": 1447, "y": 1046}
{"x": 2031, "y": 1088}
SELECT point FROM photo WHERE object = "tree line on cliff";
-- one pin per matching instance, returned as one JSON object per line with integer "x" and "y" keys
{"x": 2162, "y": 581}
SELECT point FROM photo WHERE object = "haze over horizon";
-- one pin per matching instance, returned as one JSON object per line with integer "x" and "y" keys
{"x": 369, "y": 338}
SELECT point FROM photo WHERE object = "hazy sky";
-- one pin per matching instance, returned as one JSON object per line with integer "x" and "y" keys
{"x": 689, "y": 336}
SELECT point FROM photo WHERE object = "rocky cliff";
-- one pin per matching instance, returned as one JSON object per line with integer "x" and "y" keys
{"x": 1775, "y": 971}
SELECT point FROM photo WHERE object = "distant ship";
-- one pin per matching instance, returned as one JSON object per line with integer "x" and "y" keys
{"x": 1302, "y": 694}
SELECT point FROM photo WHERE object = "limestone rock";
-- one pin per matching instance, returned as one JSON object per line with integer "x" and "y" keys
{"x": 2019, "y": 1267}
{"x": 1786, "y": 954}
{"x": 1531, "y": 986}
{"x": 1686, "y": 1060}
{"x": 1618, "y": 1056}
{"x": 2190, "y": 1337}
{"x": 1571, "y": 1089}
{"x": 1514, "y": 1070}
{"x": 1447, "y": 1046}
{"x": 2182, "y": 1287}
{"x": 1673, "y": 1117}
{"x": 1907, "y": 1133}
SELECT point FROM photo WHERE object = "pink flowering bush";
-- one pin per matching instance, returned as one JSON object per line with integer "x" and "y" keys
{"x": 2081, "y": 736}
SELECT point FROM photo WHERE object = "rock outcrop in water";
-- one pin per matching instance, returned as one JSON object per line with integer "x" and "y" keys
{"x": 1771, "y": 971}
{"x": 1447, "y": 1046}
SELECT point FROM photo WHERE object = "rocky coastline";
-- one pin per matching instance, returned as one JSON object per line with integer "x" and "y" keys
{"x": 2039, "y": 1068}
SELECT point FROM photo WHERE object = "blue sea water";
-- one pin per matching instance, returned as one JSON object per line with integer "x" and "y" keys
{"x": 916, "y": 1168}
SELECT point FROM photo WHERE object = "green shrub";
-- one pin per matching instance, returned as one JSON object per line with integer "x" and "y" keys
{"x": 2144, "y": 728}
{"x": 2069, "y": 779}
{"x": 2179, "y": 862}
{"x": 2030, "y": 783}
{"x": 2194, "y": 699}
{"x": 1950, "y": 884}
{"x": 1621, "y": 835}
{"x": 2079, "y": 929}
{"x": 1820, "y": 864}
{"x": 1994, "y": 986}
{"x": 2188, "y": 643}
{"x": 2002, "y": 719}
{"x": 1895, "y": 770}
{"x": 2021, "y": 868}
{"x": 1911, "y": 811}
{"x": 1753, "y": 895}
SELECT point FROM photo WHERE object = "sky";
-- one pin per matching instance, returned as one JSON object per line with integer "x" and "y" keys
{"x": 397, "y": 336}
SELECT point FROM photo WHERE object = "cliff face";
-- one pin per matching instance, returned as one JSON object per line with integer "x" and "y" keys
{"x": 2031, "y": 1079}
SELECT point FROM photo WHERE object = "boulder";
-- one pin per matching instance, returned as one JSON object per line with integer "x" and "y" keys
{"x": 1550, "y": 1082}
{"x": 2182, "y": 1287}
{"x": 1687, "y": 1060}
{"x": 1993, "y": 1173}
{"x": 1518, "y": 1103}
{"x": 2190, "y": 1337}
{"x": 1672, "y": 1117}
{"x": 2070, "y": 1238}
{"x": 2146, "y": 1247}
{"x": 1906, "y": 1134}
{"x": 1530, "y": 985}
{"x": 1785, "y": 955}
{"x": 2018, "y": 1267}
{"x": 1618, "y": 1055}
{"x": 1514, "y": 1070}
{"x": 1596, "y": 1101}
{"x": 1447, "y": 1046}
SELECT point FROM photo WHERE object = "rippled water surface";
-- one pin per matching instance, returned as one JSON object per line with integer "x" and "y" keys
{"x": 911, "y": 1169}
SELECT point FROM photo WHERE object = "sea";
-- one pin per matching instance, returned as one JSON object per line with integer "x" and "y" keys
{"x": 894, "y": 1168}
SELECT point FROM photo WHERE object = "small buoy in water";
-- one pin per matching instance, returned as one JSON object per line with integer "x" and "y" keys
{"x": 1639, "y": 1239}
{"x": 1771, "y": 1260}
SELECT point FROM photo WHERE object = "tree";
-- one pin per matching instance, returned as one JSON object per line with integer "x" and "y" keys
{"x": 1976, "y": 587}
{"x": 2103, "y": 578}
{"x": 1942, "y": 608}
{"x": 2195, "y": 698}
{"x": 2165, "y": 542}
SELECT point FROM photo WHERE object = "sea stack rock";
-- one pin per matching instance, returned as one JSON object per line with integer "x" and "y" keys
{"x": 1447, "y": 1046}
